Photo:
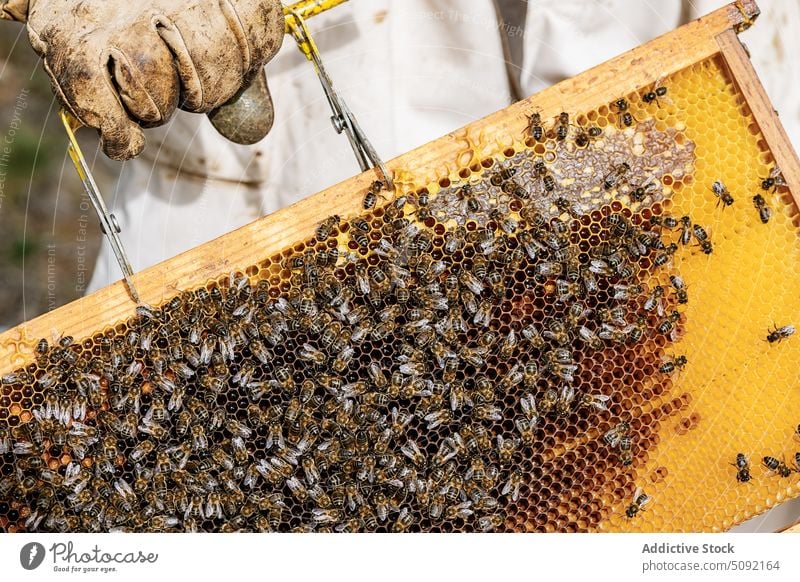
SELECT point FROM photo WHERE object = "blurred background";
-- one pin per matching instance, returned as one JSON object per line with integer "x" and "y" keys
{"x": 49, "y": 237}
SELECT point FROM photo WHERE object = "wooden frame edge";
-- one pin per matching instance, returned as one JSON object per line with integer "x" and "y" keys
{"x": 744, "y": 75}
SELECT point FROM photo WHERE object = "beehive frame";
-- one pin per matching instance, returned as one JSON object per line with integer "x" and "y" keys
{"x": 694, "y": 43}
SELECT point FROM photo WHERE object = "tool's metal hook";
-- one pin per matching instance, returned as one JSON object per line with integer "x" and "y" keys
{"x": 108, "y": 222}
{"x": 343, "y": 119}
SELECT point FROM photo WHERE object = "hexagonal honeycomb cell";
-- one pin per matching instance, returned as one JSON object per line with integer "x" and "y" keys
{"x": 567, "y": 337}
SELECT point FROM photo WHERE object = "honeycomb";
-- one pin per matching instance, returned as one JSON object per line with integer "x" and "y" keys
{"x": 536, "y": 342}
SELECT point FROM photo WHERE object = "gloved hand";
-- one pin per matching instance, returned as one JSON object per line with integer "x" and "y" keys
{"x": 120, "y": 65}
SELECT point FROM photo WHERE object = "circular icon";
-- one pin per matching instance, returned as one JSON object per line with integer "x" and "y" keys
{"x": 31, "y": 555}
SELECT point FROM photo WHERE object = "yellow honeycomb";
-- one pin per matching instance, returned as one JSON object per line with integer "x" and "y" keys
{"x": 207, "y": 412}
{"x": 743, "y": 390}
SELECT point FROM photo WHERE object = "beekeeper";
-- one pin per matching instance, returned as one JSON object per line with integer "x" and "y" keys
{"x": 411, "y": 71}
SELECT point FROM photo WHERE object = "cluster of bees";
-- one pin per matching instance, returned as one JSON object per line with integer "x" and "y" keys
{"x": 385, "y": 389}
{"x": 775, "y": 466}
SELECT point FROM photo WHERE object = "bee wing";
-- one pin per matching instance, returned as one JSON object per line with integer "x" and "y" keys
{"x": 600, "y": 401}
{"x": 586, "y": 334}
{"x": 650, "y": 180}
{"x": 528, "y": 403}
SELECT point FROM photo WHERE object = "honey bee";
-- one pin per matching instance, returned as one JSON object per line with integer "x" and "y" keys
{"x": 663, "y": 257}
{"x": 326, "y": 516}
{"x": 564, "y": 371}
{"x": 199, "y": 438}
{"x": 664, "y": 221}
{"x": 371, "y": 197}
{"x": 680, "y": 289}
{"x": 685, "y": 223}
{"x": 620, "y": 226}
{"x": 487, "y": 523}
{"x": 530, "y": 374}
{"x": 502, "y": 176}
{"x": 454, "y": 240}
{"x": 624, "y": 116}
{"x": 141, "y": 450}
{"x": 624, "y": 292}
{"x": 506, "y": 223}
{"x": 531, "y": 246}
{"x": 653, "y": 94}
{"x": 557, "y": 332}
{"x": 512, "y": 378}
{"x": 616, "y": 176}
{"x": 471, "y": 282}
{"x": 764, "y": 211}
{"x": 541, "y": 171}
{"x": 483, "y": 314}
{"x": 5, "y": 441}
{"x": 467, "y": 193}
{"x": 506, "y": 448}
{"x": 311, "y": 354}
{"x": 534, "y": 218}
{"x": 742, "y": 468}
{"x": 613, "y": 436}
{"x": 326, "y": 226}
{"x": 612, "y": 334}
{"x": 653, "y": 300}
{"x": 640, "y": 501}
{"x": 411, "y": 450}
{"x": 564, "y": 402}
{"x": 671, "y": 365}
{"x": 564, "y": 206}
{"x": 284, "y": 378}
{"x": 667, "y": 325}
{"x": 585, "y": 136}
{"x": 534, "y": 127}
{"x": 531, "y": 333}
{"x": 721, "y": 192}
{"x": 460, "y": 510}
{"x": 774, "y": 180}
{"x": 561, "y": 127}
{"x": 404, "y": 521}
{"x": 591, "y": 338}
{"x": 778, "y": 334}
{"x": 42, "y": 350}
{"x": 508, "y": 345}
{"x": 777, "y": 467}
{"x": 549, "y": 269}
{"x": 639, "y": 193}
{"x": 359, "y": 237}
{"x": 702, "y": 238}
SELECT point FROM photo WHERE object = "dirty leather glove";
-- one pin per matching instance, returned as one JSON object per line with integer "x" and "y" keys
{"x": 120, "y": 65}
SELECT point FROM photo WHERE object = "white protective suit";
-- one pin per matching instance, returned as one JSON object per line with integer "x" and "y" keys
{"x": 411, "y": 71}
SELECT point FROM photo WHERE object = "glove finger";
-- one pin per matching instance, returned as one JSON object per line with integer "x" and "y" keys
{"x": 207, "y": 55}
{"x": 85, "y": 87}
{"x": 219, "y": 45}
{"x": 258, "y": 26}
{"x": 144, "y": 75}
